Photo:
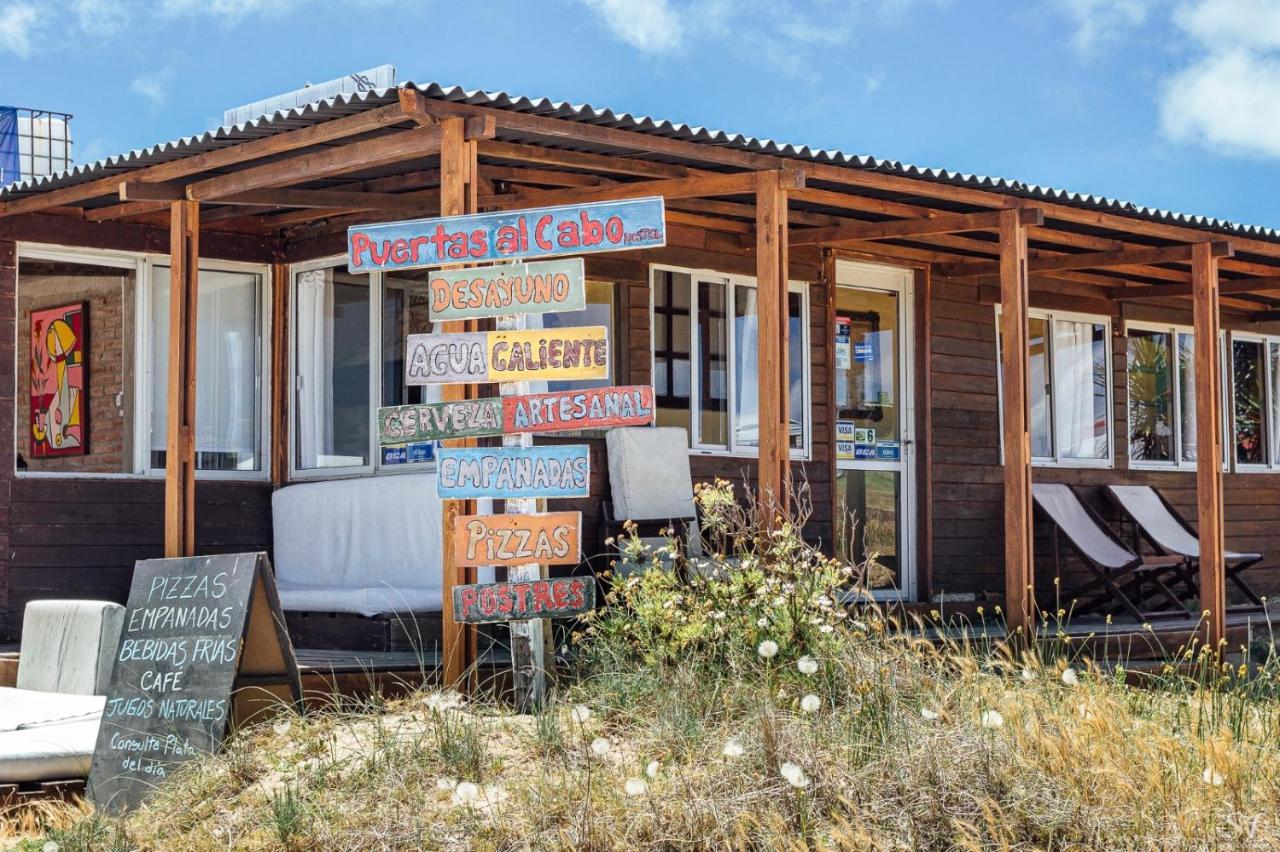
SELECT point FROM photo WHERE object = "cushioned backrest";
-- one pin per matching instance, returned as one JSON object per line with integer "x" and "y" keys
{"x": 1061, "y": 504}
{"x": 69, "y": 646}
{"x": 359, "y": 533}
{"x": 1145, "y": 506}
{"x": 649, "y": 475}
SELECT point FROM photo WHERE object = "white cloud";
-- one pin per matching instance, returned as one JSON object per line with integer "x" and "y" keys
{"x": 18, "y": 23}
{"x": 1227, "y": 98}
{"x": 229, "y": 11}
{"x": 651, "y": 26}
{"x": 1099, "y": 24}
{"x": 153, "y": 87}
{"x": 101, "y": 17}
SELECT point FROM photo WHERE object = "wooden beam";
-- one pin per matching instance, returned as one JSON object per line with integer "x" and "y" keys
{"x": 697, "y": 186}
{"x": 900, "y": 228}
{"x": 772, "y": 332}
{"x": 542, "y": 177}
{"x": 318, "y": 164}
{"x": 1087, "y": 260}
{"x": 1265, "y": 316}
{"x": 580, "y": 160}
{"x": 1209, "y": 401}
{"x": 231, "y": 155}
{"x": 1234, "y": 287}
{"x": 320, "y": 198}
{"x": 278, "y": 366}
{"x": 180, "y": 458}
{"x": 1020, "y": 604}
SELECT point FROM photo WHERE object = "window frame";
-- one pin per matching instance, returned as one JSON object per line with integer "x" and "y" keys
{"x": 1050, "y": 316}
{"x": 142, "y": 264}
{"x": 1178, "y": 462}
{"x": 732, "y": 449}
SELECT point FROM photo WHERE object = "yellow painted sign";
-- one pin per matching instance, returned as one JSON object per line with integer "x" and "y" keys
{"x": 508, "y": 356}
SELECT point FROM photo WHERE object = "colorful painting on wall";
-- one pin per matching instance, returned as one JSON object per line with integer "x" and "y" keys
{"x": 59, "y": 381}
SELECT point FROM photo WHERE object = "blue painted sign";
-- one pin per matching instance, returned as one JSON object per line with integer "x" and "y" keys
{"x": 422, "y": 452}
{"x": 395, "y": 455}
{"x": 571, "y": 229}
{"x": 562, "y": 470}
{"x": 888, "y": 451}
{"x": 864, "y": 353}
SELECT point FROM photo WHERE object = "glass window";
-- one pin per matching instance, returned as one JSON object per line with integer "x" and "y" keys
{"x": 228, "y": 370}
{"x": 75, "y": 364}
{"x": 1248, "y": 371}
{"x": 332, "y": 412}
{"x": 1187, "y": 396}
{"x": 601, "y": 308}
{"x": 1274, "y": 387}
{"x": 1151, "y": 396}
{"x": 1040, "y": 383}
{"x": 405, "y": 311}
{"x": 723, "y": 401}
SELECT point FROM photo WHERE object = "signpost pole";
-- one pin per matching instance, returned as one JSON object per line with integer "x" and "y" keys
{"x": 528, "y": 637}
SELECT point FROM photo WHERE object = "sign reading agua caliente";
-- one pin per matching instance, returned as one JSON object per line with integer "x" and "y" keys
{"x": 492, "y": 291}
{"x": 508, "y": 356}
{"x": 547, "y": 538}
{"x": 557, "y": 598}
{"x": 465, "y": 473}
{"x": 571, "y": 229}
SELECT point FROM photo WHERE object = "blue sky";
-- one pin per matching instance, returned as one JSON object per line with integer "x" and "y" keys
{"x": 1170, "y": 103}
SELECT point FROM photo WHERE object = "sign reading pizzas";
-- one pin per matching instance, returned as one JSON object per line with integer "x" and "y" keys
{"x": 508, "y": 356}
{"x": 548, "y": 538}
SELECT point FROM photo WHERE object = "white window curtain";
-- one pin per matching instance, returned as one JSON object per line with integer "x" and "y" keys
{"x": 314, "y": 337}
{"x": 746, "y": 359}
{"x": 1081, "y": 426}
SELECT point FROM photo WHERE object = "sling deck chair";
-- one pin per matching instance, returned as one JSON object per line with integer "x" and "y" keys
{"x": 1115, "y": 568}
{"x": 1170, "y": 534}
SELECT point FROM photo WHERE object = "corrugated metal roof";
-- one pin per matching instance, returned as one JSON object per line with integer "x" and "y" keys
{"x": 588, "y": 114}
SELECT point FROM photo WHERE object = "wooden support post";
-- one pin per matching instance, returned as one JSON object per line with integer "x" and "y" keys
{"x": 1209, "y": 400}
{"x": 279, "y": 371}
{"x": 1019, "y": 573}
{"x": 773, "y": 330}
{"x": 180, "y": 455}
{"x": 457, "y": 196}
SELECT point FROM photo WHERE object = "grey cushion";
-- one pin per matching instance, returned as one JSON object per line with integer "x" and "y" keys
{"x": 649, "y": 475}
{"x": 69, "y": 646}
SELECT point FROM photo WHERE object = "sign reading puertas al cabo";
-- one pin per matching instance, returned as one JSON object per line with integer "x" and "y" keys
{"x": 571, "y": 229}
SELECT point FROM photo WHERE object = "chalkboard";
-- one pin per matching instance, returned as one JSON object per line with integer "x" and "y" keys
{"x": 203, "y": 647}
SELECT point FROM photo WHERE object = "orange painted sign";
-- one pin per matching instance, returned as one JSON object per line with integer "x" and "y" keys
{"x": 549, "y": 538}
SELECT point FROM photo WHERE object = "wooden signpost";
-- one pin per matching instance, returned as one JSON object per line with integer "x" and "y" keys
{"x": 525, "y": 538}
{"x": 203, "y": 647}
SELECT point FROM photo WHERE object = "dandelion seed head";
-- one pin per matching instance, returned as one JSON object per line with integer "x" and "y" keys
{"x": 733, "y": 748}
{"x": 636, "y": 787}
{"x": 991, "y": 719}
{"x": 1211, "y": 777}
{"x": 928, "y": 715}
{"x": 652, "y": 769}
{"x": 1069, "y": 677}
{"x": 580, "y": 714}
{"x": 1028, "y": 675}
{"x": 810, "y": 703}
{"x": 465, "y": 793}
{"x": 768, "y": 649}
{"x": 446, "y": 783}
{"x": 794, "y": 775}
{"x": 807, "y": 665}
{"x": 600, "y": 747}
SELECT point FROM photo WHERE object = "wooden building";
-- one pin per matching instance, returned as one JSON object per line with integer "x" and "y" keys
{"x": 917, "y": 346}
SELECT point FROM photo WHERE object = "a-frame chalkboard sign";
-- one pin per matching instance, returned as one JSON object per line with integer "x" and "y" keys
{"x": 203, "y": 648}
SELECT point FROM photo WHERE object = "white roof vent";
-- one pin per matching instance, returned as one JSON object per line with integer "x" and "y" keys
{"x": 382, "y": 77}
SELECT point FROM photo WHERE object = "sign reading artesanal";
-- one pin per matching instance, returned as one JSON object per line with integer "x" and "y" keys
{"x": 558, "y": 598}
{"x": 508, "y": 356}
{"x": 571, "y": 229}
{"x": 493, "y": 291}
{"x": 465, "y": 473}
{"x": 194, "y": 627}
{"x": 548, "y": 538}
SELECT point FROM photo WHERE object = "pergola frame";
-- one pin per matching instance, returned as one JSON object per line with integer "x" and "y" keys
{"x": 451, "y": 158}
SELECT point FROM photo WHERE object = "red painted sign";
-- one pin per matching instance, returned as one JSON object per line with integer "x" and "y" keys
{"x": 627, "y": 405}
{"x": 520, "y": 601}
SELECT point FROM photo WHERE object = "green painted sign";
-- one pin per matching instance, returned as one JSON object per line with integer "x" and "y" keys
{"x": 435, "y": 421}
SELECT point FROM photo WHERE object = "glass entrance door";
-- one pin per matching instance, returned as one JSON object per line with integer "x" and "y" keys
{"x": 874, "y": 423}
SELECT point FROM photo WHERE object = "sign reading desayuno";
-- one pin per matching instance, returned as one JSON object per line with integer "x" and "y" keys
{"x": 508, "y": 356}
{"x": 464, "y": 473}
{"x": 493, "y": 291}
{"x": 435, "y": 421}
{"x": 547, "y": 538}
{"x": 571, "y": 229}
{"x": 193, "y": 628}
{"x": 558, "y": 598}
{"x": 628, "y": 405}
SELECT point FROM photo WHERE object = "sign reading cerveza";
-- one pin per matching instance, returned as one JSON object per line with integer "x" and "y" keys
{"x": 625, "y": 405}
{"x": 493, "y": 291}
{"x": 571, "y": 229}
{"x": 557, "y": 598}
{"x": 562, "y": 470}
{"x": 192, "y": 625}
{"x": 507, "y": 356}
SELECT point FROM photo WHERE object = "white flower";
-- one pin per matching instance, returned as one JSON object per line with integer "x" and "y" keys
{"x": 861, "y": 625}
{"x": 1028, "y": 675}
{"x": 733, "y": 748}
{"x": 928, "y": 715}
{"x": 442, "y": 701}
{"x": 794, "y": 775}
{"x": 280, "y": 728}
{"x": 1069, "y": 677}
{"x": 762, "y": 622}
{"x": 465, "y": 793}
{"x": 446, "y": 783}
{"x": 718, "y": 615}
{"x": 580, "y": 714}
{"x": 991, "y": 719}
{"x": 636, "y": 787}
{"x": 779, "y": 601}
{"x": 1211, "y": 777}
{"x": 600, "y": 747}
{"x": 810, "y": 703}
{"x": 767, "y": 649}
{"x": 652, "y": 769}
{"x": 807, "y": 665}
